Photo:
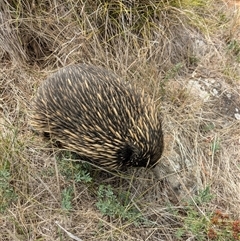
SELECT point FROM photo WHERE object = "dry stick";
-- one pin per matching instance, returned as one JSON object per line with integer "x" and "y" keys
{"x": 68, "y": 233}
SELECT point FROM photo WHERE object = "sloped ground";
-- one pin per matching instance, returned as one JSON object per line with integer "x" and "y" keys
{"x": 199, "y": 174}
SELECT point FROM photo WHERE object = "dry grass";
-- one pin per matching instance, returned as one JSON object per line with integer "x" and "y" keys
{"x": 168, "y": 48}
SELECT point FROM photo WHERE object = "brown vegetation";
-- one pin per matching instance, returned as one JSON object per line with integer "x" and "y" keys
{"x": 186, "y": 54}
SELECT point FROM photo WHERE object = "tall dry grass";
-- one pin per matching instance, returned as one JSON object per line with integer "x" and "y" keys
{"x": 164, "y": 47}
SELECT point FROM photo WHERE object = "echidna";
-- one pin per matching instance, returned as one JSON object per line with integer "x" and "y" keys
{"x": 105, "y": 120}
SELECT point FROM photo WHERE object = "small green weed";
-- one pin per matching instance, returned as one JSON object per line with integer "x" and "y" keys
{"x": 67, "y": 196}
{"x": 204, "y": 196}
{"x": 7, "y": 194}
{"x": 221, "y": 227}
{"x": 82, "y": 175}
{"x": 234, "y": 47}
{"x": 208, "y": 127}
{"x": 215, "y": 145}
{"x": 118, "y": 206}
{"x": 171, "y": 73}
{"x": 195, "y": 223}
{"x": 77, "y": 170}
{"x": 208, "y": 226}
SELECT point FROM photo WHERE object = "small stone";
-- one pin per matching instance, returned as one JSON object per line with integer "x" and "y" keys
{"x": 197, "y": 90}
{"x": 214, "y": 92}
{"x": 212, "y": 81}
{"x": 237, "y": 116}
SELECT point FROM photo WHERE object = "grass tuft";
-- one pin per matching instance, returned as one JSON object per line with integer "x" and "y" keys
{"x": 186, "y": 55}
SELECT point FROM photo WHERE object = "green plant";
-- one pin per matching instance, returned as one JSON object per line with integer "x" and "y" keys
{"x": 82, "y": 176}
{"x": 204, "y": 196}
{"x": 215, "y": 145}
{"x": 10, "y": 148}
{"x": 77, "y": 170}
{"x": 118, "y": 206}
{"x": 234, "y": 47}
{"x": 171, "y": 73}
{"x": 7, "y": 194}
{"x": 208, "y": 127}
{"x": 67, "y": 198}
{"x": 207, "y": 225}
{"x": 194, "y": 222}
{"x": 221, "y": 227}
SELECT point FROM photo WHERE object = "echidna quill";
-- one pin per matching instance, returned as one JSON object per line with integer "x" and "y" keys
{"x": 105, "y": 120}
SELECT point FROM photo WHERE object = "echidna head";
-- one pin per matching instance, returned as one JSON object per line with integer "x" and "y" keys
{"x": 130, "y": 155}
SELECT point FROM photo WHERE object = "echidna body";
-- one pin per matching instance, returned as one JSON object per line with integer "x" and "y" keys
{"x": 105, "y": 120}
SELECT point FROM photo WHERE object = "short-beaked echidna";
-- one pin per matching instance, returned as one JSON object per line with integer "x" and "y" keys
{"x": 105, "y": 120}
